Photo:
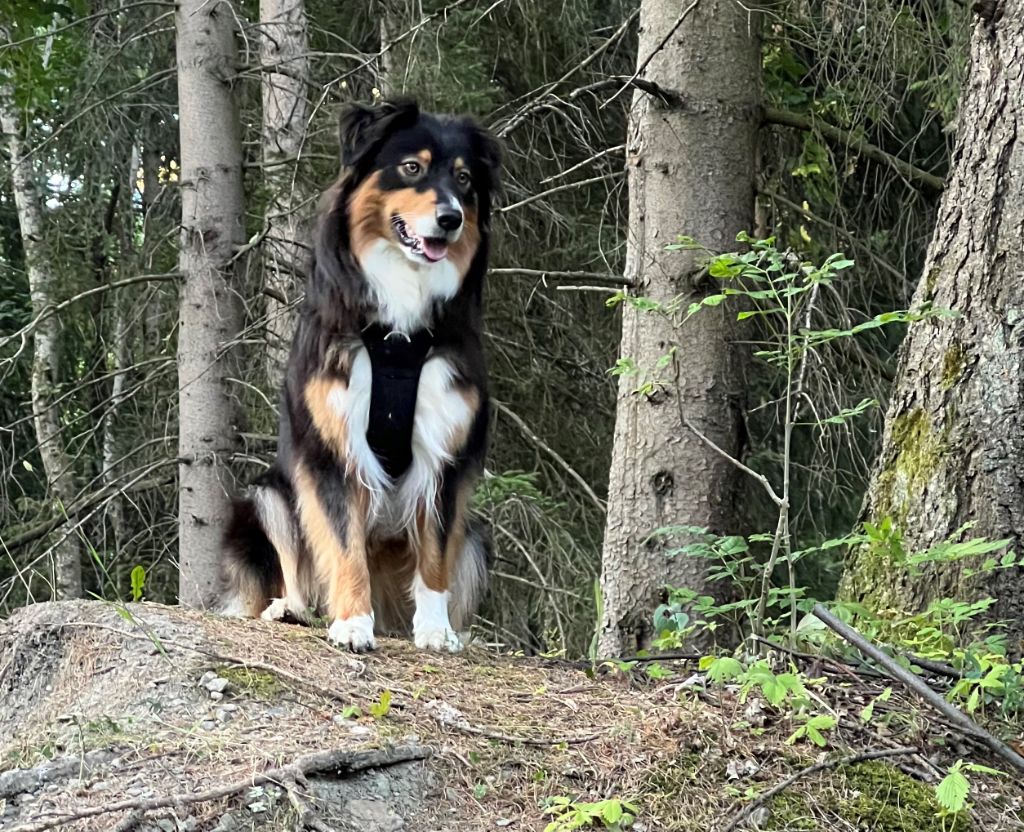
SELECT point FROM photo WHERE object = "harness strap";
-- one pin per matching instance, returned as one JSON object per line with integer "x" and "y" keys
{"x": 396, "y": 361}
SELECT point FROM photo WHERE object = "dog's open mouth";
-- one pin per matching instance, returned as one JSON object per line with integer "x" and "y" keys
{"x": 431, "y": 248}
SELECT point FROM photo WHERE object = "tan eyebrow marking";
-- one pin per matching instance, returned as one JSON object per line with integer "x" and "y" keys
{"x": 460, "y": 163}
{"x": 424, "y": 156}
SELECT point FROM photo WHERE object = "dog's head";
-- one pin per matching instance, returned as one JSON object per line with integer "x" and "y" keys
{"x": 417, "y": 183}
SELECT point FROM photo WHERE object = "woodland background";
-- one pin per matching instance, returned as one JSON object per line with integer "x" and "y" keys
{"x": 853, "y": 119}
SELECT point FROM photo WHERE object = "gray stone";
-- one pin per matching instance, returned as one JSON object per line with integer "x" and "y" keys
{"x": 375, "y": 814}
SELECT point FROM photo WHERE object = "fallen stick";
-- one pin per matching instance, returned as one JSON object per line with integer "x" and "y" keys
{"x": 959, "y": 719}
{"x": 338, "y": 761}
{"x": 761, "y": 799}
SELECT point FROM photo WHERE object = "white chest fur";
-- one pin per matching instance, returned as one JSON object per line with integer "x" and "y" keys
{"x": 442, "y": 414}
{"x": 405, "y": 291}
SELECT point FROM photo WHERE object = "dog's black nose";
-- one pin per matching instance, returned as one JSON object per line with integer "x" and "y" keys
{"x": 449, "y": 218}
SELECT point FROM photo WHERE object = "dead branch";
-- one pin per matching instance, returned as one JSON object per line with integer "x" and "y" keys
{"x": 337, "y": 762}
{"x": 646, "y": 61}
{"x": 529, "y": 434}
{"x": 957, "y": 717}
{"x": 613, "y": 280}
{"x": 911, "y": 172}
{"x": 567, "y": 187}
{"x": 751, "y": 807}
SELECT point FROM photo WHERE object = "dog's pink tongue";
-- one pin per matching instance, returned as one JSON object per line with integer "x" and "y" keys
{"x": 434, "y": 250}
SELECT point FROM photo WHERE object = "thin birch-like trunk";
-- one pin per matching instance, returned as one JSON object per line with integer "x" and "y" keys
{"x": 57, "y": 467}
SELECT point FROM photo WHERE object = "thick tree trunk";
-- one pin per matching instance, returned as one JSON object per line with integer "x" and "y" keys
{"x": 691, "y": 171}
{"x": 67, "y": 555}
{"x": 210, "y": 313}
{"x": 953, "y": 445}
{"x": 284, "y": 52}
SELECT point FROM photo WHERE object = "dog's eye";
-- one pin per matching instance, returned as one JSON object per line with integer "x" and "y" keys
{"x": 410, "y": 167}
{"x": 463, "y": 178}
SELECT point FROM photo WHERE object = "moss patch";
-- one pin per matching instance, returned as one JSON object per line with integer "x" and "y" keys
{"x": 791, "y": 812}
{"x": 953, "y": 364}
{"x": 883, "y": 798}
{"x": 916, "y": 450}
{"x": 256, "y": 683}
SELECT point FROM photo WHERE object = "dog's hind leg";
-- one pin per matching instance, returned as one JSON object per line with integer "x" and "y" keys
{"x": 250, "y": 572}
{"x": 469, "y": 575}
{"x": 278, "y": 523}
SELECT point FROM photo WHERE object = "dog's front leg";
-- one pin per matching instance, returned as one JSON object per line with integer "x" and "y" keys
{"x": 332, "y": 511}
{"x": 431, "y": 626}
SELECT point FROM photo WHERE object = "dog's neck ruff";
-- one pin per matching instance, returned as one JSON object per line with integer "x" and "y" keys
{"x": 396, "y": 361}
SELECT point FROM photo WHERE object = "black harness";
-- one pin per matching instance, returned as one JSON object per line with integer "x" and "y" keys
{"x": 396, "y": 361}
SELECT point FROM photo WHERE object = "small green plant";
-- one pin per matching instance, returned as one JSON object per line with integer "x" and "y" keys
{"x": 382, "y": 707}
{"x": 811, "y": 728}
{"x": 953, "y": 790}
{"x": 613, "y": 814}
{"x": 138, "y": 578}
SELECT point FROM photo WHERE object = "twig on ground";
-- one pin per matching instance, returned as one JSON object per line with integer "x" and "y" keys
{"x": 751, "y": 807}
{"x": 451, "y": 717}
{"x": 337, "y": 761}
{"x": 957, "y": 717}
{"x": 306, "y": 817}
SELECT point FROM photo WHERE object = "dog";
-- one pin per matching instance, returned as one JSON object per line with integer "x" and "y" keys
{"x": 364, "y": 516}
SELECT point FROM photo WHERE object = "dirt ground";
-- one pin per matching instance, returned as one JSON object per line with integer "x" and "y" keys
{"x": 150, "y": 718}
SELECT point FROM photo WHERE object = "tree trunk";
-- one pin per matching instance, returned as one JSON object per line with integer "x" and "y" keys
{"x": 284, "y": 54}
{"x": 691, "y": 171}
{"x": 210, "y": 313}
{"x": 953, "y": 446}
{"x": 67, "y": 555}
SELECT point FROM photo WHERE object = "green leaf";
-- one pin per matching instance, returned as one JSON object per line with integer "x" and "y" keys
{"x": 612, "y": 813}
{"x": 723, "y": 668}
{"x": 381, "y": 709}
{"x": 138, "y": 578}
{"x": 952, "y": 792}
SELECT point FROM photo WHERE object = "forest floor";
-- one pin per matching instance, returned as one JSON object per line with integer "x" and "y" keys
{"x": 145, "y": 717}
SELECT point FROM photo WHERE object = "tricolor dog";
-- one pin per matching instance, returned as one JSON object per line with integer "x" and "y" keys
{"x": 364, "y": 515}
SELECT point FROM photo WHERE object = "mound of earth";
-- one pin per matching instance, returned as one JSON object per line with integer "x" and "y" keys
{"x": 145, "y": 717}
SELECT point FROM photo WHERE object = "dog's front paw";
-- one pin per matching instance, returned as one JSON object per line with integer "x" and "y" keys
{"x": 355, "y": 633}
{"x": 440, "y": 639}
{"x": 280, "y": 608}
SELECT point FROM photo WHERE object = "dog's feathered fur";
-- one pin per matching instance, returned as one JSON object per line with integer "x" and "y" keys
{"x": 357, "y": 518}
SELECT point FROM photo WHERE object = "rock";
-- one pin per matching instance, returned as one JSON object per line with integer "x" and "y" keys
{"x": 375, "y": 815}
{"x": 217, "y": 684}
{"x": 208, "y": 724}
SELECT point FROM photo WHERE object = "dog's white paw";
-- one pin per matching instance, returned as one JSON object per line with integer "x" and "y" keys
{"x": 278, "y": 608}
{"x": 431, "y": 628}
{"x": 355, "y": 633}
{"x": 441, "y": 639}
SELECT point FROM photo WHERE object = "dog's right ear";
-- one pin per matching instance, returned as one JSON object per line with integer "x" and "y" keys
{"x": 364, "y": 129}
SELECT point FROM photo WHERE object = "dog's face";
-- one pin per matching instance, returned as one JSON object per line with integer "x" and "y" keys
{"x": 423, "y": 184}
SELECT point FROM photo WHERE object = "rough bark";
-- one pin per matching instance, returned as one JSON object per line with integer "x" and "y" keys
{"x": 691, "y": 171}
{"x": 210, "y": 312}
{"x": 67, "y": 555}
{"x": 284, "y": 52}
{"x": 953, "y": 445}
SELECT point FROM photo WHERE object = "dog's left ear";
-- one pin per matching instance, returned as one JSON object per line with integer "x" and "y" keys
{"x": 363, "y": 129}
{"x": 487, "y": 149}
